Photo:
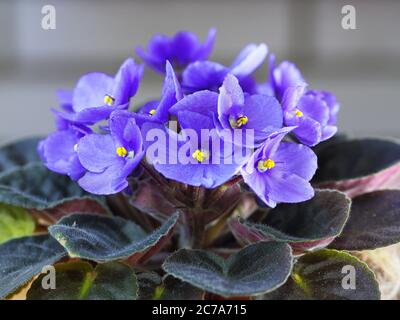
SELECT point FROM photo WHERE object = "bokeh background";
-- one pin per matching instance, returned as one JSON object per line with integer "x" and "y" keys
{"x": 362, "y": 67}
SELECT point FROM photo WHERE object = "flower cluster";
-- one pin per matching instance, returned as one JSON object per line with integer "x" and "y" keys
{"x": 226, "y": 124}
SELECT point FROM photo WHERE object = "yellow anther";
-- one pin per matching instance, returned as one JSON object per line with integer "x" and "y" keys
{"x": 238, "y": 122}
{"x": 200, "y": 156}
{"x": 109, "y": 100}
{"x": 241, "y": 121}
{"x": 298, "y": 113}
{"x": 122, "y": 152}
{"x": 264, "y": 165}
{"x": 152, "y": 111}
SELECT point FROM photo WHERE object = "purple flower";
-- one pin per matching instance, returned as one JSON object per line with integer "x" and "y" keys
{"x": 243, "y": 119}
{"x": 313, "y": 113}
{"x": 97, "y": 95}
{"x": 196, "y": 156}
{"x": 58, "y": 150}
{"x": 158, "y": 111}
{"x": 181, "y": 49}
{"x": 283, "y": 76}
{"x": 209, "y": 75}
{"x": 281, "y": 171}
{"x": 110, "y": 158}
{"x": 257, "y": 115}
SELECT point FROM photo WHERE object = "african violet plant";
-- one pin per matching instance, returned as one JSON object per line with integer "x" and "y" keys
{"x": 221, "y": 187}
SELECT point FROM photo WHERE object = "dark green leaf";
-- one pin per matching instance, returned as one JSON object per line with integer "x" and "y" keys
{"x": 24, "y": 258}
{"x": 305, "y": 226}
{"x": 149, "y": 282}
{"x": 326, "y": 275}
{"x": 79, "y": 281}
{"x": 175, "y": 289}
{"x": 35, "y": 187}
{"x": 359, "y": 166}
{"x": 18, "y": 154}
{"x": 255, "y": 269}
{"x": 15, "y": 222}
{"x": 374, "y": 222}
{"x": 102, "y": 238}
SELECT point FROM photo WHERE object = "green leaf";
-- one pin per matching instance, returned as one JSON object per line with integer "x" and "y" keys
{"x": 35, "y": 187}
{"x": 255, "y": 269}
{"x": 374, "y": 222}
{"x": 305, "y": 226}
{"x": 80, "y": 281}
{"x": 359, "y": 166}
{"x": 15, "y": 222}
{"x": 102, "y": 238}
{"x": 325, "y": 275}
{"x": 153, "y": 287}
{"x": 18, "y": 154}
{"x": 149, "y": 282}
{"x": 24, "y": 258}
{"x": 175, "y": 289}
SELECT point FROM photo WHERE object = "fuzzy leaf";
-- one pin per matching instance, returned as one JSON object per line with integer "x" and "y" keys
{"x": 305, "y": 226}
{"x": 80, "y": 281}
{"x": 320, "y": 276}
{"x": 35, "y": 187}
{"x": 374, "y": 222}
{"x": 24, "y": 258}
{"x": 255, "y": 269}
{"x": 359, "y": 166}
{"x": 102, "y": 238}
{"x": 175, "y": 289}
{"x": 148, "y": 283}
{"x": 18, "y": 154}
{"x": 15, "y": 222}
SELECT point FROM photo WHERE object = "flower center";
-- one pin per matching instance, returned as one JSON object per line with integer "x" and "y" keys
{"x": 264, "y": 165}
{"x": 200, "y": 156}
{"x": 238, "y": 122}
{"x": 152, "y": 111}
{"x": 109, "y": 100}
{"x": 298, "y": 113}
{"x": 122, "y": 152}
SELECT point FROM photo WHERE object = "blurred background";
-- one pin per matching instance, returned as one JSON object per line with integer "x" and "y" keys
{"x": 362, "y": 66}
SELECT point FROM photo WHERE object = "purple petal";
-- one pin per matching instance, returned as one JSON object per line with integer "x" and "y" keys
{"x": 288, "y": 188}
{"x": 257, "y": 183}
{"x": 205, "y": 50}
{"x": 185, "y": 45}
{"x": 90, "y": 91}
{"x": 203, "y": 75}
{"x": 292, "y": 96}
{"x": 125, "y": 132}
{"x": 328, "y": 132}
{"x": 58, "y": 153}
{"x": 126, "y": 82}
{"x": 263, "y": 112}
{"x": 152, "y": 61}
{"x": 308, "y": 131}
{"x": 229, "y": 94}
{"x": 249, "y": 60}
{"x": 195, "y": 121}
{"x": 97, "y": 152}
{"x": 104, "y": 183}
{"x": 314, "y": 108}
{"x": 285, "y": 75}
{"x": 297, "y": 159}
{"x": 204, "y": 102}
